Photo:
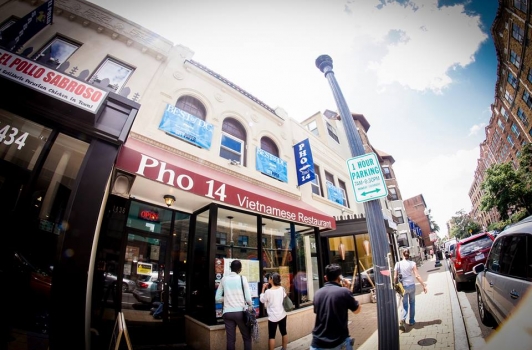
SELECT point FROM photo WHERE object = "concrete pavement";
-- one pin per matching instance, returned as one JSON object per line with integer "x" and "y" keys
{"x": 439, "y": 320}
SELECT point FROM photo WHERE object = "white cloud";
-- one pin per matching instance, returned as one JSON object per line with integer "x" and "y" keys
{"x": 444, "y": 181}
{"x": 430, "y": 43}
{"x": 476, "y": 128}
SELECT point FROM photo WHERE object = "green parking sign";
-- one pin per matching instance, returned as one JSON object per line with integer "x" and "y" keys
{"x": 366, "y": 176}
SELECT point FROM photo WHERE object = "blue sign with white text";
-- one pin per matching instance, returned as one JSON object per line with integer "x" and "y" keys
{"x": 272, "y": 166}
{"x": 179, "y": 123}
{"x": 16, "y": 35}
{"x": 335, "y": 194}
{"x": 304, "y": 162}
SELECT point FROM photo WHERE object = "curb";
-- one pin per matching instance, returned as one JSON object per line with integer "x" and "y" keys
{"x": 461, "y": 340}
{"x": 474, "y": 333}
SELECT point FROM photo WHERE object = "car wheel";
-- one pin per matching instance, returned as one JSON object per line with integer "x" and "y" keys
{"x": 485, "y": 316}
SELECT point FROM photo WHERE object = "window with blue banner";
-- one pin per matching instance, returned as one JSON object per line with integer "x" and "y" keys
{"x": 335, "y": 194}
{"x": 270, "y": 165}
{"x": 187, "y": 127}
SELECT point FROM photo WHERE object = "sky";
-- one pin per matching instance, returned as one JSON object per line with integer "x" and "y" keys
{"x": 422, "y": 72}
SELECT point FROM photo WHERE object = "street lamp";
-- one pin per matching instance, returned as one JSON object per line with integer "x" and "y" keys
{"x": 386, "y": 303}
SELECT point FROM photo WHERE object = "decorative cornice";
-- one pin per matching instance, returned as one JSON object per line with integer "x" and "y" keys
{"x": 234, "y": 86}
{"x": 105, "y": 19}
{"x": 210, "y": 165}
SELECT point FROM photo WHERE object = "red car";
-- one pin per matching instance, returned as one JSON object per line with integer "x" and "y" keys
{"x": 469, "y": 252}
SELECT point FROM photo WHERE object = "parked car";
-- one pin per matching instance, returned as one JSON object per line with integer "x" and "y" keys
{"x": 127, "y": 285}
{"x": 448, "y": 248}
{"x": 502, "y": 282}
{"x": 469, "y": 252}
{"x": 148, "y": 288}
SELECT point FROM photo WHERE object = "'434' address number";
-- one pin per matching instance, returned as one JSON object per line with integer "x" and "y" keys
{"x": 9, "y": 134}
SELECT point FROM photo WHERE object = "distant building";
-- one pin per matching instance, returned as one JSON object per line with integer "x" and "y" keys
{"x": 510, "y": 125}
{"x": 417, "y": 211}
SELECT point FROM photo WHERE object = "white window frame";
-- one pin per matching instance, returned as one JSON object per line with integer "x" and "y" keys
{"x": 313, "y": 127}
{"x": 114, "y": 62}
{"x": 57, "y": 63}
{"x": 240, "y": 154}
{"x": 316, "y": 185}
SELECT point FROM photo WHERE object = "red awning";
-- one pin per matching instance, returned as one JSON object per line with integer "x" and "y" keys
{"x": 156, "y": 164}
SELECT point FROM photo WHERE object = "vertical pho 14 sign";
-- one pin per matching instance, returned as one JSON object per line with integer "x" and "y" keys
{"x": 366, "y": 176}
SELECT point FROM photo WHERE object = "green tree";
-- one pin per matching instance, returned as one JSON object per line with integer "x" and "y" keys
{"x": 509, "y": 190}
{"x": 463, "y": 226}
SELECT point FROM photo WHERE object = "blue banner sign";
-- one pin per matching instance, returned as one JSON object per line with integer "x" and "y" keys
{"x": 16, "y": 35}
{"x": 304, "y": 162}
{"x": 272, "y": 166}
{"x": 179, "y": 123}
{"x": 335, "y": 194}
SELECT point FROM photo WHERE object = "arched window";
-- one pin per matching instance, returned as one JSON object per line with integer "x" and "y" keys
{"x": 269, "y": 146}
{"x": 233, "y": 142}
{"x": 191, "y": 105}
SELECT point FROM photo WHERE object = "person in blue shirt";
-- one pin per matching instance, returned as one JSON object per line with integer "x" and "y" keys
{"x": 235, "y": 300}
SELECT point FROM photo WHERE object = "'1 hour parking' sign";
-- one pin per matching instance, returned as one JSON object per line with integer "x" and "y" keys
{"x": 366, "y": 176}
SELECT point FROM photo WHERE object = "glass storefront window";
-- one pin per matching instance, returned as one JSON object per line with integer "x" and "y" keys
{"x": 149, "y": 218}
{"x": 21, "y": 141}
{"x": 277, "y": 253}
{"x": 353, "y": 254}
{"x": 179, "y": 261}
{"x": 306, "y": 281}
{"x": 237, "y": 238}
{"x": 35, "y": 241}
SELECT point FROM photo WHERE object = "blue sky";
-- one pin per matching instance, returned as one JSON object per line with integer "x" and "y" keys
{"x": 422, "y": 72}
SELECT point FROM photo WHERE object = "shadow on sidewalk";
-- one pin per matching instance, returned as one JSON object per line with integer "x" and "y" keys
{"x": 420, "y": 325}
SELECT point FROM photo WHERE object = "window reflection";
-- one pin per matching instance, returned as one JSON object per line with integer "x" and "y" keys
{"x": 353, "y": 254}
{"x": 56, "y": 52}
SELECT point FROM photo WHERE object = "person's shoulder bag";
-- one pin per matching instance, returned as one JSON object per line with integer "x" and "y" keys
{"x": 250, "y": 316}
{"x": 288, "y": 305}
{"x": 398, "y": 286}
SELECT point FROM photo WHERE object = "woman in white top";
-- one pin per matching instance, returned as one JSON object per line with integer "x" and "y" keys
{"x": 272, "y": 299}
{"x": 408, "y": 271}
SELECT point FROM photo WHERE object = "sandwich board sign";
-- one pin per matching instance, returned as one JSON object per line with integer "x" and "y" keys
{"x": 366, "y": 177}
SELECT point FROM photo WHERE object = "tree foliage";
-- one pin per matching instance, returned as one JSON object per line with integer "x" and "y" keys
{"x": 509, "y": 190}
{"x": 433, "y": 225}
{"x": 463, "y": 226}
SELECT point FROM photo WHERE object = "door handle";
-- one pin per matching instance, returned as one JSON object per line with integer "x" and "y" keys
{"x": 490, "y": 283}
{"x": 514, "y": 294}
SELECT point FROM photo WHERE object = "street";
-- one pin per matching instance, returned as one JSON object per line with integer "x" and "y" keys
{"x": 471, "y": 295}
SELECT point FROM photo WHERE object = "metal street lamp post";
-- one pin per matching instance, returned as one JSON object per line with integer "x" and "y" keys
{"x": 387, "y": 320}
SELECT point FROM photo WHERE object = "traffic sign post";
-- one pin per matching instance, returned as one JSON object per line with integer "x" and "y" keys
{"x": 380, "y": 247}
{"x": 366, "y": 176}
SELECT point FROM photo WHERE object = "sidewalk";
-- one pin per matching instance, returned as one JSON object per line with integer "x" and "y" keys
{"x": 438, "y": 318}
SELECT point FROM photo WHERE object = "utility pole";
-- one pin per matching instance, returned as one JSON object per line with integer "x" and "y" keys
{"x": 387, "y": 320}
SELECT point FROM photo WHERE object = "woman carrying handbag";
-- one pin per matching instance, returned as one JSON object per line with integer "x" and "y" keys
{"x": 272, "y": 297}
{"x": 233, "y": 292}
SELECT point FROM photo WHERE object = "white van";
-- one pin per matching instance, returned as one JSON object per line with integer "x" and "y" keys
{"x": 448, "y": 247}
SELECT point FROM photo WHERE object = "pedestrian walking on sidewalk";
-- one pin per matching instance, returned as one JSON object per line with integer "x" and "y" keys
{"x": 234, "y": 293}
{"x": 272, "y": 297}
{"x": 331, "y": 303}
{"x": 406, "y": 272}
